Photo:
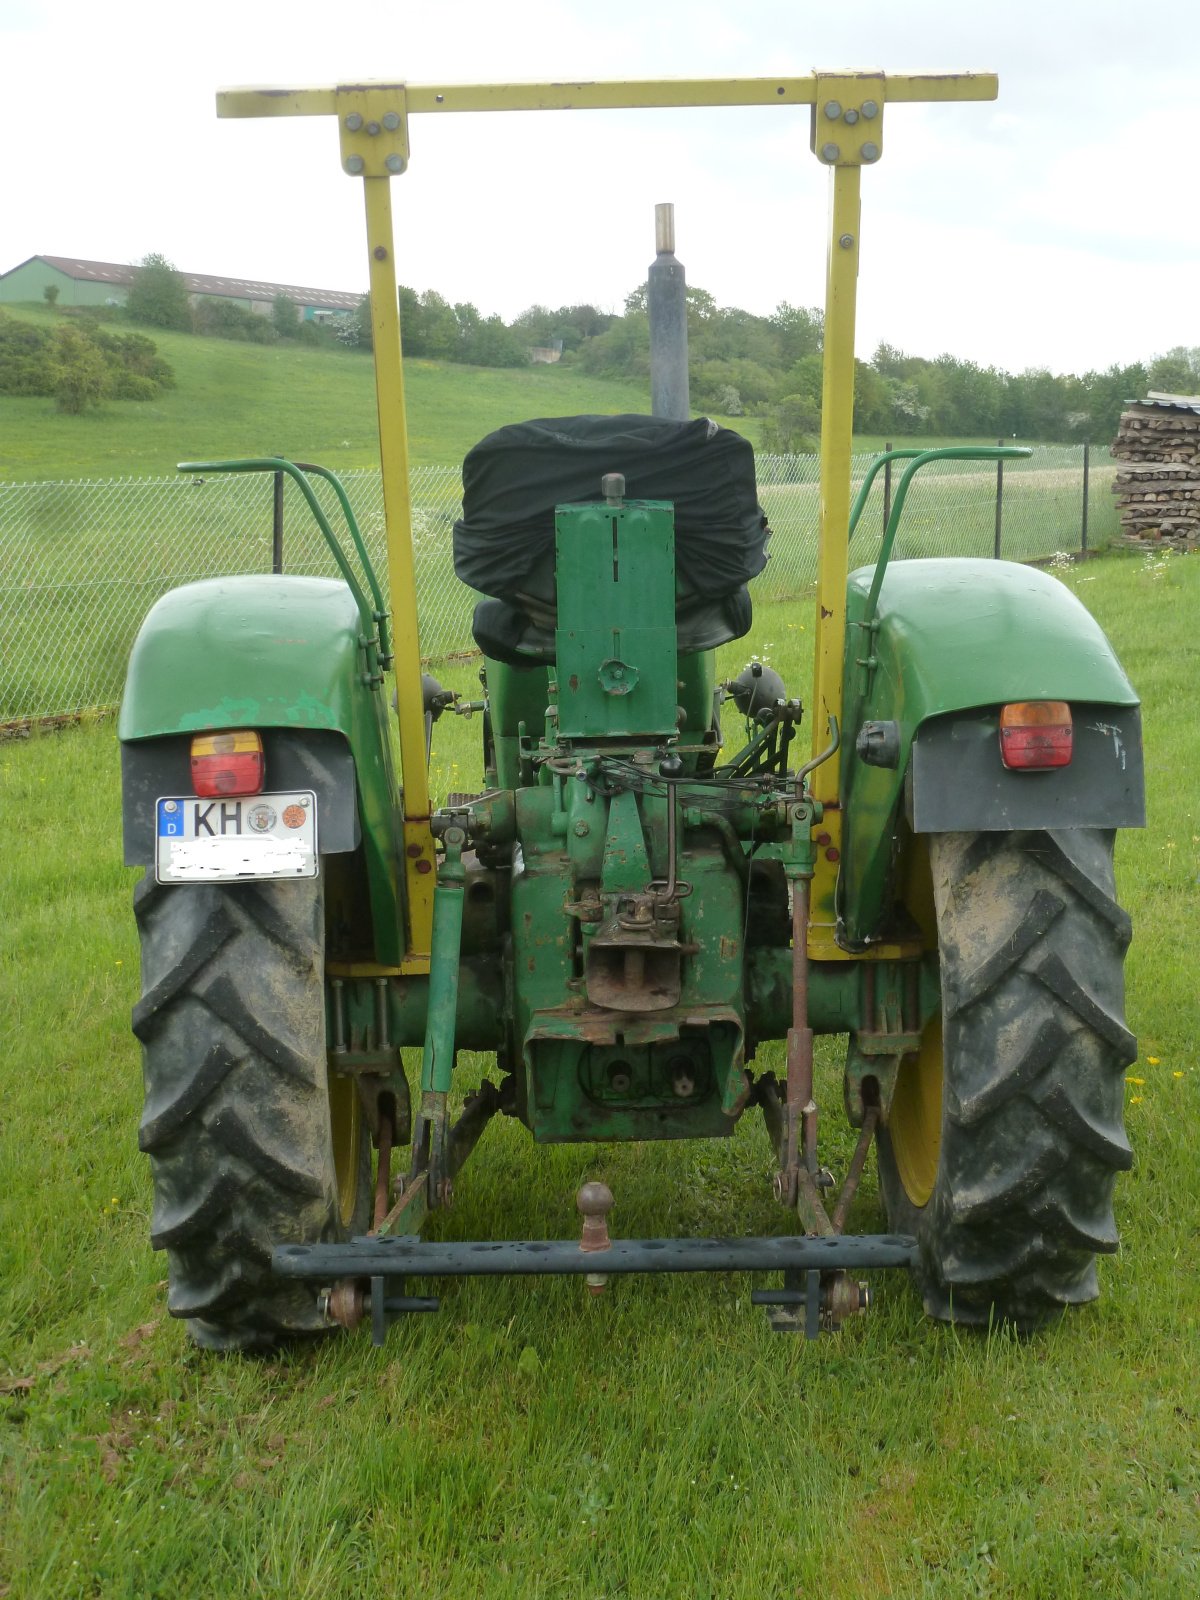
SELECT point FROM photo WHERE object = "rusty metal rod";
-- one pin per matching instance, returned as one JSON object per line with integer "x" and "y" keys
{"x": 766, "y": 1095}
{"x": 383, "y": 1180}
{"x": 799, "y": 1097}
{"x": 410, "y": 1210}
{"x": 857, "y": 1163}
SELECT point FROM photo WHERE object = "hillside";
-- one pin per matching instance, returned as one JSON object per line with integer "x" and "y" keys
{"x": 315, "y": 405}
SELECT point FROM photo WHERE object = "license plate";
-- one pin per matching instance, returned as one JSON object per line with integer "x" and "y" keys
{"x": 259, "y": 836}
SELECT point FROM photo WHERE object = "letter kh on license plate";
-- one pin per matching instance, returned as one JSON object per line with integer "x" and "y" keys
{"x": 257, "y": 836}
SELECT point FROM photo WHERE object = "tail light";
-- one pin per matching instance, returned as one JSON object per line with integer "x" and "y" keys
{"x": 228, "y": 763}
{"x": 1035, "y": 735}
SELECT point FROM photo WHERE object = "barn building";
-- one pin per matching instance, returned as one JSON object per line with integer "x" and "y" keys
{"x": 99, "y": 283}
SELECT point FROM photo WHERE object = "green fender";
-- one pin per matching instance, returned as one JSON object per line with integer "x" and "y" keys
{"x": 951, "y": 635}
{"x": 274, "y": 652}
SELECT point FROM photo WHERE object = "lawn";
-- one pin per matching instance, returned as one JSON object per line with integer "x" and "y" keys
{"x": 528, "y": 1441}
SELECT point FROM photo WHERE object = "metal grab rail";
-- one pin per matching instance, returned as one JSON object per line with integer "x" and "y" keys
{"x": 375, "y": 638}
{"x": 918, "y": 459}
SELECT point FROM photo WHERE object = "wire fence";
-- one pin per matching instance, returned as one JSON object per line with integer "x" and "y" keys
{"x": 82, "y": 562}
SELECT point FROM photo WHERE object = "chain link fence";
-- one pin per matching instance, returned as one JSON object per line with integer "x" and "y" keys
{"x": 82, "y": 562}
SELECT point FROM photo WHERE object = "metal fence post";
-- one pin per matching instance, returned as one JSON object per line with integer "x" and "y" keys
{"x": 1083, "y": 544}
{"x": 887, "y": 486}
{"x": 999, "y": 502}
{"x": 277, "y": 524}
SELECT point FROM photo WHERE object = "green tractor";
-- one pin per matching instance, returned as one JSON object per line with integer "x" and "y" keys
{"x": 628, "y": 911}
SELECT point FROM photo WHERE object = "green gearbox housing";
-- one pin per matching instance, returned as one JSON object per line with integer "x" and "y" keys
{"x": 628, "y": 1009}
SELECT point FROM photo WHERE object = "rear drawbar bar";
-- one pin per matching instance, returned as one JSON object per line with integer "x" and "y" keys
{"x": 416, "y": 1258}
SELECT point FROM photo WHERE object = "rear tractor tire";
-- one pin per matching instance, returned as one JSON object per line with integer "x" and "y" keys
{"x": 1005, "y": 1134}
{"x": 252, "y": 1142}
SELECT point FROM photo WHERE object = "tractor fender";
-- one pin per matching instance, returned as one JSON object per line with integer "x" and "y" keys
{"x": 283, "y": 655}
{"x": 246, "y": 652}
{"x": 951, "y": 642}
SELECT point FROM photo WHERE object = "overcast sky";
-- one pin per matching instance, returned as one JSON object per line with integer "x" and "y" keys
{"x": 1055, "y": 227}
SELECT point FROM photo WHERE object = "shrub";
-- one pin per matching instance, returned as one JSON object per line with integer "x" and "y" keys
{"x": 132, "y": 355}
{"x": 25, "y": 365}
{"x": 225, "y": 319}
{"x": 79, "y": 370}
{"x": 50, "y": 294}
{"x": 79, "y": 365}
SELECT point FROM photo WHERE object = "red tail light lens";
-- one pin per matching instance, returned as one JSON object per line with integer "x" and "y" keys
{"x": 228, "y": 763}
{"x": 1035, "y": 735}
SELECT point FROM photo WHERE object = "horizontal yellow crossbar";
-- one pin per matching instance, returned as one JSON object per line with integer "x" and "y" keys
{"x": 451, "y": 97}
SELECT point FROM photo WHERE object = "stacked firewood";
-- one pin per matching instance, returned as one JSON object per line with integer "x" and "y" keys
{"x": 1157, "y": 484}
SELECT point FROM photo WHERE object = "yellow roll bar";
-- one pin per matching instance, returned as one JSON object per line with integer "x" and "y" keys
{"x": 846, "y": 135}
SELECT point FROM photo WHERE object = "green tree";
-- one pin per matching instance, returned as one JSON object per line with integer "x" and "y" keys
{"x": 158, "y": 296}
{"x": 1176, "y": 372}
{"x": 78, "y": 370}
{"x": 791, "y": 426}
{"x": 491, "y": 344}
{"x": 285, "y": 316}
{"x": 872, "y": 399}
{"x": 50, "y": 295}
{"x": 1107, "y": 394}
{"x": 800, "y": 331}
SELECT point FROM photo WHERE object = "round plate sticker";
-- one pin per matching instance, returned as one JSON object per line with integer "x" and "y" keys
{"x": 293, "y": 816}
{"x": 261, "y": 818}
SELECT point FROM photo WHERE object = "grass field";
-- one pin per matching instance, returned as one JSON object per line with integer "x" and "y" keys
{"x": 527, "y": 1441}
{"x": 309, "y": 405}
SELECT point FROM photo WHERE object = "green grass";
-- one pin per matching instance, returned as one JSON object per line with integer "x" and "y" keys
{"x": 309, "y": 405}
{"x": 529, "y": 1442}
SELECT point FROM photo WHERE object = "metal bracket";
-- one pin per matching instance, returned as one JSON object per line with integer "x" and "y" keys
{"x": 847, "y": 121}
{"x": 386, "y": 1308}
{"x": 826, "y": 1299}
{"x": 373, "y": 129}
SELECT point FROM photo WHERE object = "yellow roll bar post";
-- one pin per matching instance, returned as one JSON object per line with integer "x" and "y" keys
{"x": 846, "y": 134}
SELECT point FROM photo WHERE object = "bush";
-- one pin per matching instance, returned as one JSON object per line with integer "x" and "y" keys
{"x": 79, "y": 370}
{"x": 355, "y": 330}
{"x": 79, "y": 365}
{"x": 225, "y": 319}
{"x": 25, "y": 365}
{"x": 132, "y": 355}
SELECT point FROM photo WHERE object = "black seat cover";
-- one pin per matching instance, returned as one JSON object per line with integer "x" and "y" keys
{"x": 514, "y": 478}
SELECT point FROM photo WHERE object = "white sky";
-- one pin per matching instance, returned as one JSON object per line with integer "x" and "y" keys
{"x": 1058, "y": 226}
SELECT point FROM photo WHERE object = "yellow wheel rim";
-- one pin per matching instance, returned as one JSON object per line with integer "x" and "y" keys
{"x": 915, "y": 1123}
{"x": 345, "y": 1117}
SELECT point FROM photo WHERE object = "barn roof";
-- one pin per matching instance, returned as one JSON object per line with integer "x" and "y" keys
{"x": 121, "y": 275}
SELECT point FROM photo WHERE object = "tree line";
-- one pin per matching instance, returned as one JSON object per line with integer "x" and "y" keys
{"x": 741, "y": 364}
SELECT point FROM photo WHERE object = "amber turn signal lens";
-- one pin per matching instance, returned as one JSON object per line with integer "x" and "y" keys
{"x": 228, "y": 763}
{"x": 1036, "y": 735}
